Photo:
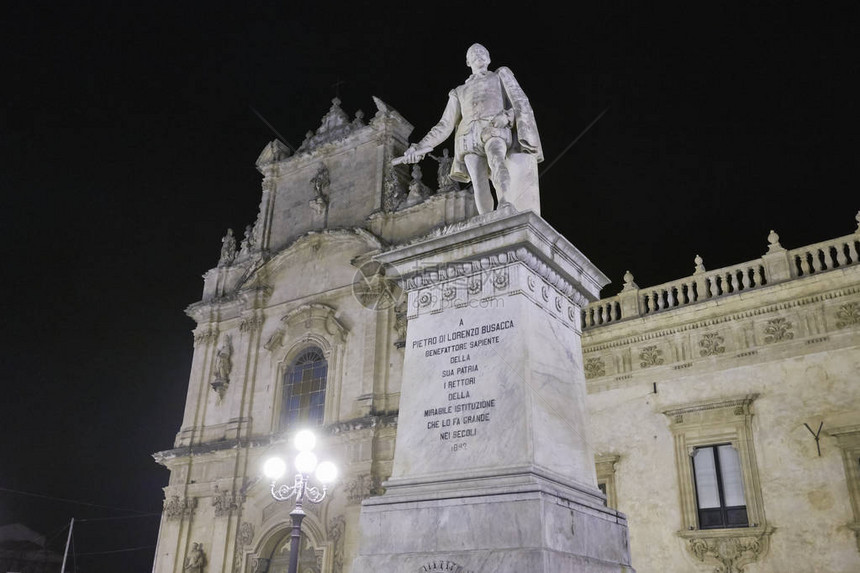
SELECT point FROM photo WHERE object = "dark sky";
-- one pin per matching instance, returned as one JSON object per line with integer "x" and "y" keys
{"x": 128, "y": 148}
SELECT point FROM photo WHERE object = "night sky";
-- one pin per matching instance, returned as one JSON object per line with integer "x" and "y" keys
{"x": 128, "y": 147}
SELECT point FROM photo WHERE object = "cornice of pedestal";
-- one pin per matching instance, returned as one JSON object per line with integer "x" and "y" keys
{"x": 493, "y": 240}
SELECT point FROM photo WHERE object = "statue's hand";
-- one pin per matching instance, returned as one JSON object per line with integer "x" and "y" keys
{"x": 412, "y": 155}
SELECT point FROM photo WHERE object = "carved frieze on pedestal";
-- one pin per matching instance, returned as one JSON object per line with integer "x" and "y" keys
{"x": 443, "y": 566}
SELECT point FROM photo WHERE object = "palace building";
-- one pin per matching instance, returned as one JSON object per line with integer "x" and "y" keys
{"x": 723, "y": 410}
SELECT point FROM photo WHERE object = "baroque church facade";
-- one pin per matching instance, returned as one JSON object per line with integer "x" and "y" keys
{"x": 723, "y": 407}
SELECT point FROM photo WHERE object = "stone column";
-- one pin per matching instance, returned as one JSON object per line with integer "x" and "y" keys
{"x": 493, "y": 468}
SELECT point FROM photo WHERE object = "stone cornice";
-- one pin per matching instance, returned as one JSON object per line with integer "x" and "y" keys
{"x": 356, "y": 424}
{"x": 372, "y": 421}
{"x": 736, "y": 316}
{"x": 250, "y": 287}
{"x": 497, "y": 238}
{"x": 744, "y": 334}
{"x": 438, "y": 275}
{"x": 743, "y": 402}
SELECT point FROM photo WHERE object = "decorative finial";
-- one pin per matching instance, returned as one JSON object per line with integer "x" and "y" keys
{"x": 335, "y": 101}
{"x": 628, "y": 282}
{"x": 773, "y": 240}
{"x": 858, "y": 221}
{"x": 700, "y": 267}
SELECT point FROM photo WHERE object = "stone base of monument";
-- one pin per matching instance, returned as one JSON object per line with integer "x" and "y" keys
{"x": 493, "y": 470}
{"x": 530, "y": 524}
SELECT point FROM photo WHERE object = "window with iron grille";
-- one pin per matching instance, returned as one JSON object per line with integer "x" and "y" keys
{"x": 304, "y": 390}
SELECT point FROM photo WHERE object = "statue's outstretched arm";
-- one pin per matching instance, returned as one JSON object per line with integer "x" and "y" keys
{"x": 442, "y": 130}
{"x": 437, "y": 134}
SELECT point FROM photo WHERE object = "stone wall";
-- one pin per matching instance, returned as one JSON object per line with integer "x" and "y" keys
{"x": 752, "y": 367}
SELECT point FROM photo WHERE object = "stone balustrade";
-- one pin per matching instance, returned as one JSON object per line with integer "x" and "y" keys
{"x": 776, "y": 265}
{"x": 824, "y": 256}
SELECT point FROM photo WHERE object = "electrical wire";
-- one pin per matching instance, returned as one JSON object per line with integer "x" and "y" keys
{"x": 125, "y": 550}
{"x": 78, "y": 502}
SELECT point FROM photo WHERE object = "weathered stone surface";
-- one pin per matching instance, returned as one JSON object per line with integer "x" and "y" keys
{"x": 493, "y": 468}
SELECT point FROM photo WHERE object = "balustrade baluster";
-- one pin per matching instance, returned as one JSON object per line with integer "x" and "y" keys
{"x": 659, "y": 297}
{"x": 840, "y": 255}
{"x": 817, "y": 255}
{"x": 602, "y": 318}
{"x": 852, "y": 252}
{"x": 734, "y": 277}
{"x": 829, "y": 257}
{"x": 712, "y": 287}
{"x": 616, "y": 311}
{"x": 804, "y": 263}
{"x": 745, "y": 275}
{"x": 670, "y": 297}
{"x": 758, "y": 275}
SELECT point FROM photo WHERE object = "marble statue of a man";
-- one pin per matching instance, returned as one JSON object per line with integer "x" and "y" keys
{"x": 492, "y": 118}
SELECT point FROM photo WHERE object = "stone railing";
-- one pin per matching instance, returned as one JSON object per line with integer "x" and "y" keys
{"x": 777, "y": 265}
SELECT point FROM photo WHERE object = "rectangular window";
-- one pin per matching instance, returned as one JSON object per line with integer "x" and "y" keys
{"x": 719, "y": 487}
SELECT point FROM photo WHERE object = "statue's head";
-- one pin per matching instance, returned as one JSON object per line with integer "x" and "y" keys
{"x": 477, "y": 52}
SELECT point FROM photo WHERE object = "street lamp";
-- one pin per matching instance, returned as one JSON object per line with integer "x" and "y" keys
{"x": 305, "y": 463}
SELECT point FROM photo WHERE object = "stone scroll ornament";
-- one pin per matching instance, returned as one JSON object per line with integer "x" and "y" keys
{"x": 491, "y": 119}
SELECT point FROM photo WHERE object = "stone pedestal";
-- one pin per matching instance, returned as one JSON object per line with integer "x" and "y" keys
{"x": 493, "y": 471}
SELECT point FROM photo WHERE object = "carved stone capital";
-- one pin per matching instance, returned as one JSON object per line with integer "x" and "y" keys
{"x": 205, "y": 335}
{"x": 179, "y": 507}
{"x": 226, "y": 502}
{"x": 252, "y": 323}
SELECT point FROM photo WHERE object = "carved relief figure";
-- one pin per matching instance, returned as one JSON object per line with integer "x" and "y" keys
{"x": 320, "y": 183}
{"x": 228, "y": 249}
{"x": 443, "y": 174}
{"x": 492, "y": 117}
{"x": 393, "y": 192}
{"x": 223, "y": 365}
{"x": 247, "y": 241}
{"x": 195, "y": 560}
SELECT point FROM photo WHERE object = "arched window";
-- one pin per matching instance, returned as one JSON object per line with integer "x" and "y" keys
{"x": 304, "y": 390}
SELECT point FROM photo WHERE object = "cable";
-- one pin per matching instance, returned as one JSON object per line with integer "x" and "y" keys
{"x": 126, "y": 550}
{"x": 120, "y": 517}
{"x": 43, "y": 496}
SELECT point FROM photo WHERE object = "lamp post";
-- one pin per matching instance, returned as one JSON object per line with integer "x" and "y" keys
{"x": 302, "y": 489}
